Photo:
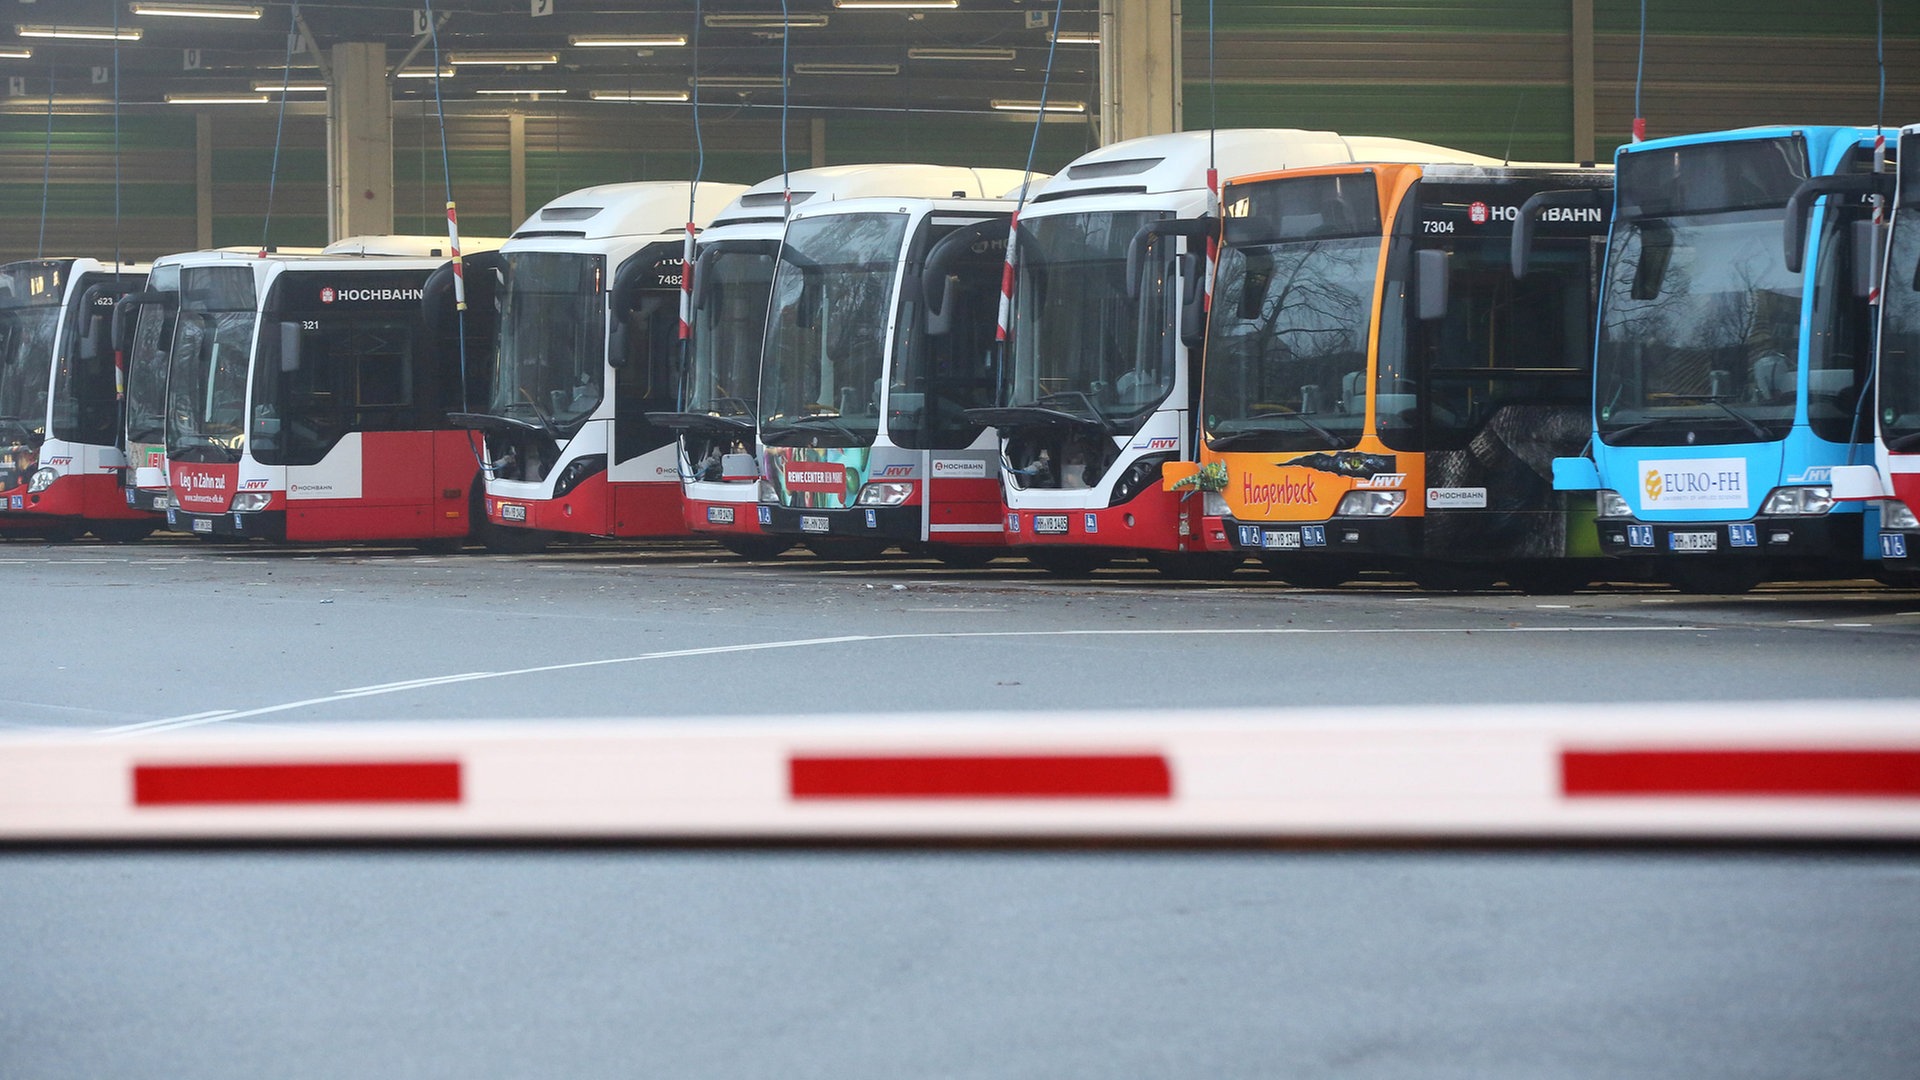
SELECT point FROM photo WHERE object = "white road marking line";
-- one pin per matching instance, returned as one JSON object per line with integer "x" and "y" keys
{"x": 1853, "y": 624}
{"x": 174, "y": 723}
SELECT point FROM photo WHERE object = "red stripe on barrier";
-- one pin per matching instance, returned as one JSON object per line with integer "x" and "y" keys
{"x": 998, "y": 776}
{"x": 1858, "y": 774}
{"x": 305, "y": 783}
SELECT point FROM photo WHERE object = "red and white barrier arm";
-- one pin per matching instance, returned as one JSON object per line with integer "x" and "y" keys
{"x": 1759, "y": 771}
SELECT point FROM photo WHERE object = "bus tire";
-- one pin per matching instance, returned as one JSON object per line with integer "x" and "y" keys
{"x": 756, "y": 548}
{"x": 964, "y": 558}
{"x": 1067, "y": 562}
{"x": 1453, "y": 577}
{"x": 123, "y": 532}
{"x": 60, "y": 534}
{"x": 1549, "y": 579}
{"x": 502, "y": 540}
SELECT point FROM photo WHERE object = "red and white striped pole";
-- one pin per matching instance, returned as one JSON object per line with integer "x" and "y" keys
{"x": 686, "y": 286}
{"x": 1005, "y": 317}
{"x": 453, "y": 245}
{"x": 1879, "y": 220}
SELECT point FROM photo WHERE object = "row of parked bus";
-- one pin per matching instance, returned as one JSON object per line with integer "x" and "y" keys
{"x": 1355, "y": 355}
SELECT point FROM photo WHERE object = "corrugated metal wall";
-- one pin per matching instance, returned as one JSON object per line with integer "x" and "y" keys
{"x": 1494, "y": 76}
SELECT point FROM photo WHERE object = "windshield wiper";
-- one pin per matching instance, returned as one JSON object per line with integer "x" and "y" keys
{"x": 1054, "y": 400}
{"x": 1902, "y": 443}
{"x": 1746, "y": 421}
{"x": 1302, "y": 418}
{"x": 821, "y": 420}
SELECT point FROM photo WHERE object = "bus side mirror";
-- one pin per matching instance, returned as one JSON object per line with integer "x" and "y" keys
{"x": 1430, "y": 283}
{"x": 95, "y": 339}
{"x": 289, "y": 346}
{"x": 940, "y": 315}
{"x": 1177, "y": 472}
{"x": 702, "y": 265}
{"x": 1193, "y": 307}
{"x": 126, "y": 314}
{"x": 1800, "y": 206}
{"x": 1191, "y": 228}
{"x": 1521, "y": 251}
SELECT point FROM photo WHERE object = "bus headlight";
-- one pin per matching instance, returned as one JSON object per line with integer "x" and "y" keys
{"x": 1894, "y": 514}
{"x": 1370, "y": 503}
{"x": 1609, "y": 504}
{"x": 1140, "y": 476}
{"x": 769, "y": 493}
{"x": 1213, "y": 504}
{"x": 885, "y": 493}
{"x": 41, "y": 480}
{"x": 577, "y": 472}
{"x": 1797, "y": 501}
{"x": 249, "y": 501}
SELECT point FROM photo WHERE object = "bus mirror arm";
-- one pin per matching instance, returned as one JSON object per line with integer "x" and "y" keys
{"x": 1430, "y": 283}
{"x": 1191, "y": 228}
{"x": 126, "y": 311}
{"x": 289, "y": 346}
{"x": 1524, "y": 221}
{"x": 1800, "y": 206}
{"x": 1193, "y": 309}
{"x": 936, "y": 275}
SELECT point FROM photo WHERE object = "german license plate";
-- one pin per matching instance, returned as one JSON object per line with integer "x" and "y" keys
{"x": 1050, "y": 524}
{"x": 202, "y": 525}
{"x": 719, "y": 515}
{"x": 512, "y": 512}
{"x": 813, "y": 523}
{"x": 1282, "y": 540}
{"x": 161, "y": 502}
{"x": 1693, "y": 541}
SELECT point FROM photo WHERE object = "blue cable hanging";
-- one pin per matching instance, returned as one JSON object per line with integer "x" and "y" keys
{"x": 693, "y": 192}
{"x": 46, "y": 167}
{"x": 1004, "y": 320}
{"x": 453, "y": 217}
{"x": 280, "y": 126}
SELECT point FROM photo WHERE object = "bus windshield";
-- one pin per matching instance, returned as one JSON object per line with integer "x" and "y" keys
{"x": 147, "y": 360}
{"x": 736, "y": 277}
{"x": 1700, "y": 319}
{"x": 30, "y": 295}
{"x": 825, "y": 345}
{"x": 207, "y": 368}
{"x": 1079, "y": 344}
{"x": 1900, "y": 314}
{"x": 551, "y": 364}
{"x": 1292, "y": 313}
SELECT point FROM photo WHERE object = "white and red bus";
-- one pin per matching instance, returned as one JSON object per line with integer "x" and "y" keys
{"x": 587, "y": 344}
{"x": 307, "y": 397}
{"x": 880, "y": 336}
{"x": 1103, "y": 386}
{"x": 732, "y": 280}
{"x": 61, "y": 452}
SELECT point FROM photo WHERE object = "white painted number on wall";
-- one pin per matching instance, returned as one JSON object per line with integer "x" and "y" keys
{"x": 189, "y": 59}
{"x": 16, "y": 86}
{"x": 541, "y": 7}
{"x": 421, "y": 27}
{"x": 101, "y": 75}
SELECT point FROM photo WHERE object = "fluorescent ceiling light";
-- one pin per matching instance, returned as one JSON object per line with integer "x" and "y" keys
{"x": 291, "y": 88}
{"x": 751, "y": 22}
{"x": 81, "y": 33}
{"x": 16, "y": 54}
{"x": 521, "y": 92}
{"x": 960, "y": 54}
{"x": 641, "y": 95}
{"x": 626, "y": 41}
{"x": 846, "y": 69}
{"x": 737, "y": 82}
{"x": 423, "y": 73}
{"x": 911, "y": 5}
{"x": 195, "y": 11}
{"x": 526, "y": 58}
{"x": 216, "y": 99}
{"x": 1078, "y": 37}
{"x": 1034, "y": 106}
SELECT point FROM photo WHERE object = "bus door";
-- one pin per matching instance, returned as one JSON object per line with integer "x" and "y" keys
{"x": 1502, "y": 372}
{"x": 644, "y": 349}
{"x": 462, "y": 347}
{"x": 86, "y": 395}
{"x": 946, "y": 362}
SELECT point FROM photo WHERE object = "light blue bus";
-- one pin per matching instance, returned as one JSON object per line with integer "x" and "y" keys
{"x": 1727, "y": 383}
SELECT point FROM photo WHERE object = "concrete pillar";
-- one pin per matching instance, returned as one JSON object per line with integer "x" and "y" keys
{"x": 1139, "y": 68}
{"x": 516, "y": 169}
{"x": 359, "y": 143}
{"x": 203, "y": 179}
{"x": 1582, "y": 42}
